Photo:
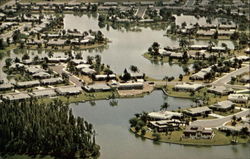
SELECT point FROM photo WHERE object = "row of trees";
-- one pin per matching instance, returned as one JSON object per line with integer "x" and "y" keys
{"x": 32, "y": 127}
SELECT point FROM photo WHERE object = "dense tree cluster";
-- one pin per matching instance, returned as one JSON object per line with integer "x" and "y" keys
{"x": 35, "y": 128}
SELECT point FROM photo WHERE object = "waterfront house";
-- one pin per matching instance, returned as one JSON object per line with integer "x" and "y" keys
{"x": 88, "y": 71}
{"x": 78, "y": 61}
{"x": 165, "y": 125}
{"x": 198, "y": 111}
{"x": 220, "y": 90}
{"x": 136, "y": 75}
{"x": 164, "y": 115}
{"x": 15, "y": 96}
{"x": 239, "y": 98}
{"x": 81, "y": 66}
{"x": 222, "y": 106}
{"x": 68, "y": 90}
{"x": 104, "y": 77}
{"x": 176, "y": 55}
{"x": 197, "y": 132}
{"x": 188, "y": 87}
{"x": 97, "y": 88}
{"x": 130, "y": 85}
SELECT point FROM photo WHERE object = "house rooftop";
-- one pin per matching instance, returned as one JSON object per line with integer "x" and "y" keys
{"x": 15, "y": 96}
{"x": 43, "y": 92}
{"x": 198, "y": 110}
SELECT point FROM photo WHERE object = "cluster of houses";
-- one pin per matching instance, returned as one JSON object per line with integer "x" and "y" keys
{"x": 165, "y": 121}
{"x": 60, "y": 39}
{"x": 210, "y": 30}
{"x": 74, "y": 6}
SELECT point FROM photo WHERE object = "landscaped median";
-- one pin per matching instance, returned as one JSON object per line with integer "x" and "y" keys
{"x": 175, "y": 137}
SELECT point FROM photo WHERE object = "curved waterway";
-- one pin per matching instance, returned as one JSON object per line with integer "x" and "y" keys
{"x": 117, "y": 142}
{"x": 127, "y": 48}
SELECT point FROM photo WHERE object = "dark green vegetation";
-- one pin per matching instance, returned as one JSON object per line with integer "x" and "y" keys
{"x": 33, "y": 128}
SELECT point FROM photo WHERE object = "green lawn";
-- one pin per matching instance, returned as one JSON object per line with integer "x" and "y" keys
{"x": 82, "y": 97}
{"x": 175, "y": 137}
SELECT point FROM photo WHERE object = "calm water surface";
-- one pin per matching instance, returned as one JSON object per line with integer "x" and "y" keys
{"x": 111, "y": 124}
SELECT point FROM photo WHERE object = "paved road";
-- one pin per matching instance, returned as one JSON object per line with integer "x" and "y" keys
{"x": 72, "y": 78}
{"x": 215, "y": 123}
{"x": 227, "y": 78}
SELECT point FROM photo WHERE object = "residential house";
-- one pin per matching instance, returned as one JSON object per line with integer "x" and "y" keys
{"x": 15, "y": 96}
{"x": 88, "y": 71}
{"x": 196, "y": 132}
{"x": 188, "y": 87}
{"x": 164, "y": 115}
{"x": 27, "y": 84}
{"x": 104, "y": 77}
{"x": 220, "y": 90}
{"x": 245, "y": 79}
{"x": 130, "y": 85}
{"x": 198, "y": 111}
{"x": 165, "y": 125}
{"x": 97, "y": 88}
{"x": 6, "y": 86}
{"x": 43, "y": 93}
{"x": 41, "y": 75}
{"x": 68, "y": 90}
{"x": 222, "y": 106}
{"x": 239, "y": 98}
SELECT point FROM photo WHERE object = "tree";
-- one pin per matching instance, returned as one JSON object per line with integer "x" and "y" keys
{"x": 156, "y": 47}
{"x": 183, "y": 43}
{"x": 134, "y": 68}
{"x": 8, "y": 62}
{"x": 186, "y": 70}
{"x": 164, "y": 106}
{"x": 126, "y": 76}
{"x": 45, "y": 129}
{"x": 180, "y": 77}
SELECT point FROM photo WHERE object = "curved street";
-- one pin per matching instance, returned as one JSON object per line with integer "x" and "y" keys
{"x": 215, "y": 123}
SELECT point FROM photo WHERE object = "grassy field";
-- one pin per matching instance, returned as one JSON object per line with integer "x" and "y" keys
{"x": 175, "y": 137}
